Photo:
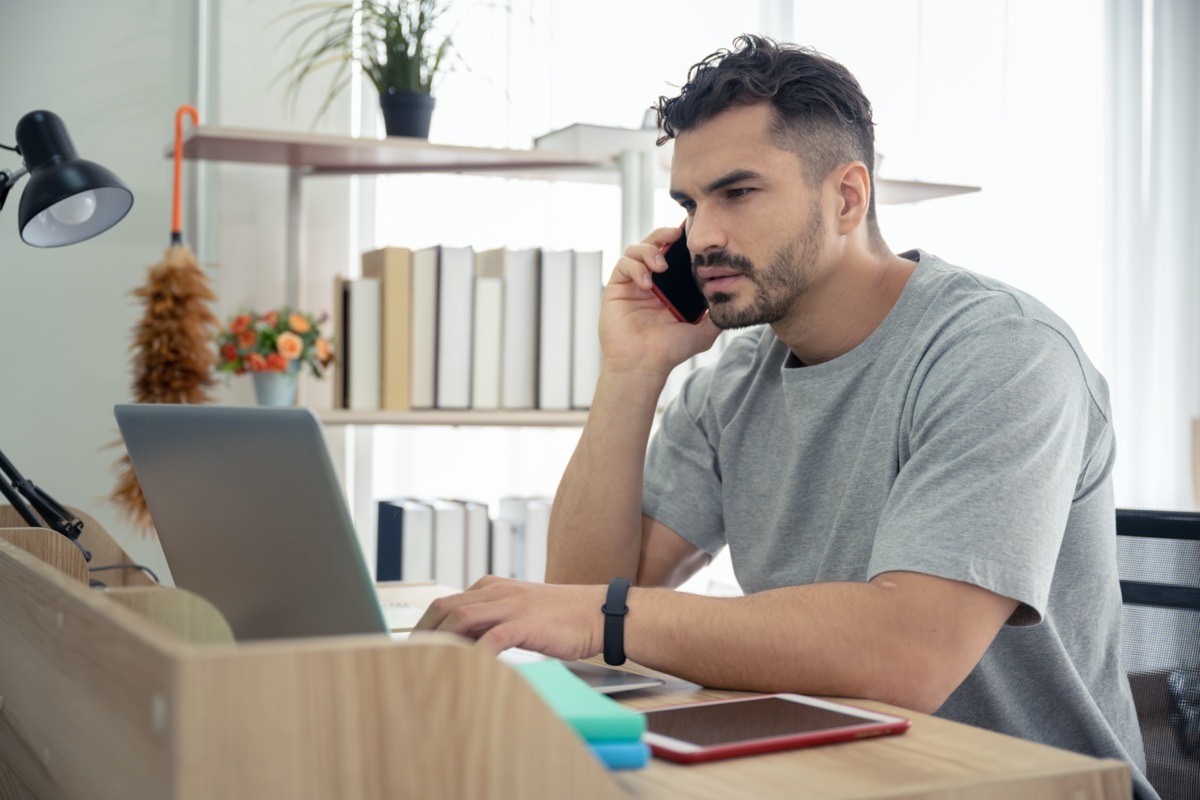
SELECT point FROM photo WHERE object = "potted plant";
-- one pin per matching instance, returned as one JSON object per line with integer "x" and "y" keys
{"x": 400, "y": 53}
{"x": 272, "y": 347}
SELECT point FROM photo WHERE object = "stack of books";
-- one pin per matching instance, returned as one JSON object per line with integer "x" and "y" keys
{"x": 455, "y": 542}
{"x": 612, "y": 732}
{"x": 452, "y": 328}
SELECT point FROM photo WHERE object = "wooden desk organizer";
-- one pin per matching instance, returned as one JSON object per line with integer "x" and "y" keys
{"x": 141, "y": 693}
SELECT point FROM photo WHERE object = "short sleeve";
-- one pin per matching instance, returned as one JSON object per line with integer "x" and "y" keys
{"x": 995, "y": 446}
{"x": 682, "y": 482}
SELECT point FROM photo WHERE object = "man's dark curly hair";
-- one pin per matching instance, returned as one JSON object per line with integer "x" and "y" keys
{"x": 821, "y": 112}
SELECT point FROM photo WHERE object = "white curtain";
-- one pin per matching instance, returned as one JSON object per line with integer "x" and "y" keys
{"x": 1154, "y": 245}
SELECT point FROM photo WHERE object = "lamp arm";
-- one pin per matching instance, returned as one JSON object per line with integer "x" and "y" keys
{"x": 8, "y": 180}
{"x": 55, "y": 516}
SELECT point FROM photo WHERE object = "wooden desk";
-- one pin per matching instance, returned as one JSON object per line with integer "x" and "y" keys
{"x": 101, "y": 699}
{"x": 934, "y": 759}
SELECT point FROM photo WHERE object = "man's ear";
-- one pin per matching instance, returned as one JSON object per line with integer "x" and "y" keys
{"x": 853, "y": 187}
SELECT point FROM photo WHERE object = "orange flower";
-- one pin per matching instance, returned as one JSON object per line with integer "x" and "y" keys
{"x": 255, "y": 363}
{"x": 271, "y": 318}
{"x": 289, "y": 345}
{"x": 323, "y": 351}
{"x": 298, "y": 323}
{"x": 240, "y": 323}
{"x": 276, "y": 363}
{"x": 247, "y": 338}
{"x": 229, "y": 352}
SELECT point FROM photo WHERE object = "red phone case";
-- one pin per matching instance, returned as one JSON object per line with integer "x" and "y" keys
{"x": 746, "y": 747}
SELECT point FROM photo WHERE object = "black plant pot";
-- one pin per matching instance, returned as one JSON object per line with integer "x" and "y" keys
{"x": 406, "y": 113}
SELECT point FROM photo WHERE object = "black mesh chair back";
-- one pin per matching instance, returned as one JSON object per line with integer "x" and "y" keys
{"x": 1158, "y": 561}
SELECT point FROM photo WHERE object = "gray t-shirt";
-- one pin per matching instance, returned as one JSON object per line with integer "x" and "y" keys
{"x": 968, "y": 437}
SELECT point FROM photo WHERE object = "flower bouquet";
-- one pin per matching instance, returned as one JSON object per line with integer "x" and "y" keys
{"x": 272, "y": 347}
{"x": 277, "y": 341}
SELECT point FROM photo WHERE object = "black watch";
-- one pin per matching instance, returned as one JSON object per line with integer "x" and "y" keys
{"x": 615, "y": 609}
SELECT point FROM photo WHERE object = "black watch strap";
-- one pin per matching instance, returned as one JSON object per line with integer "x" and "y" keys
{"x": 615, "y": 609}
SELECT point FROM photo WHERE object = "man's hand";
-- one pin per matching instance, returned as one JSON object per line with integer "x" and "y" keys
{"x": 560, "y": 621}
{"x": 638, "y": 334}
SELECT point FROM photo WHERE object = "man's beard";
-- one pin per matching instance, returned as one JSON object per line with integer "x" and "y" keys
{"x": 776, "y": 288}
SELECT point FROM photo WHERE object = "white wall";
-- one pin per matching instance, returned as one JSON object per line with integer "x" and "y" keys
{"x": 65, "y": 313}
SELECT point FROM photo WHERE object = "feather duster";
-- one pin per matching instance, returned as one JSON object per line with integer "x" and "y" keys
{"x": 173, "y": 355}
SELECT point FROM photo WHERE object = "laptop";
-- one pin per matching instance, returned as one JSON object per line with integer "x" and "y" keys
{"x": 251, "y": 516}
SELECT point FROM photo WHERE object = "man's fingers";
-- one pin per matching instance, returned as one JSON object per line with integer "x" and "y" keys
{"x": 645, "y": 257}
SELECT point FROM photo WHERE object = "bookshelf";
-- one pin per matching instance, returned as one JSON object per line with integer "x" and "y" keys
{"x": 534, "y": 418}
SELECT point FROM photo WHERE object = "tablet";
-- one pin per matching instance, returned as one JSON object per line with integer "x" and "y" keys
{"x": 607, "y": 680}
{"x": 744, "y": 726}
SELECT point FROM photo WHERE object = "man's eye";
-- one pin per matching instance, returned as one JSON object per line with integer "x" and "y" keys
{"x": 734, "y": 194}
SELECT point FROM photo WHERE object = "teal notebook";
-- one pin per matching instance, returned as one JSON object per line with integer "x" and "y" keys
{"x": 595, "y": 717}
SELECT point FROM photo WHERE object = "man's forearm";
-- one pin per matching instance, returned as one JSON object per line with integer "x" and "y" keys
{"x": 890, "y": 639}
{"x": 596, "y": 521}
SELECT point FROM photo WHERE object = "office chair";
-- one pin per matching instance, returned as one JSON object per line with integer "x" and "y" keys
{"x": 1158, "y": 562}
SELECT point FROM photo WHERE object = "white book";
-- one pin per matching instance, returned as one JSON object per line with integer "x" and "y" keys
{"x": 502, "y": 548}
{"x": 554, "y": 340}
{"x": 416, "y": 560}
{"x": 512, "y": 513}
{"x": 478, "y": 556}
{"x": 455, "y": 306}
{"x": 424, "y": 327}
{"x": 585, "y": 338}
{"x": 449, "y": 543}
{"x": 520, "y": 362}
{"x": 362, "y": 347}
{"x": 537, "y": 529}
{"x": 488, "y": 346}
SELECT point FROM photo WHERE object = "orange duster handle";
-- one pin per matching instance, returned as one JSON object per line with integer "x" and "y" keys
{"x": 176, "y": 212}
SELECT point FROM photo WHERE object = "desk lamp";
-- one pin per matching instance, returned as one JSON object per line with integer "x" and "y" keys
{"x": 67, "y": 200}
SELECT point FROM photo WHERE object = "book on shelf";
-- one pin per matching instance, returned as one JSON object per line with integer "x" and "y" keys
{"x": 357, "y": 325}
{"x": 449, "y": 542}
{"x": 526, "y": 520}
{"x": 519, "y": 341}
{"x": 537, "y": 530}
{"x": 424, "y": 300}
{"x": 477, "y": 531}
{"x": 404, "y": 541}
{"x": 554, "y": 321}
{"x": 338, "y": 373}
{"x": 488, "y": 348}
{"x": 455, "y": 318}
{"x": 502, "y": 548}
{"x": 585, "y": 339}
{"x": 392, "y": 267}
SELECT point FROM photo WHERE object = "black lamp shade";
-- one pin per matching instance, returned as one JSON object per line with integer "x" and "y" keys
{"x": 67, "y": 199}
{"x": 71, "y": 201}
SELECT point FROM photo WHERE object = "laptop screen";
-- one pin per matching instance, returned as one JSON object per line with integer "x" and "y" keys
{"x": 251, "y": 516}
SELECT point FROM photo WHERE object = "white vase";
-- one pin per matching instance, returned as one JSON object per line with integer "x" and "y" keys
{"x": 275, "y": 388}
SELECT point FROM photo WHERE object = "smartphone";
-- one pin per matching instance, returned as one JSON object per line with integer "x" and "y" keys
{"x": 745, "y": 726}
{"x": 676, "y": 287}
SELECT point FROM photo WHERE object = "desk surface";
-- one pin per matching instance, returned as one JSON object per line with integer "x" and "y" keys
{"x": 934, "y": 759}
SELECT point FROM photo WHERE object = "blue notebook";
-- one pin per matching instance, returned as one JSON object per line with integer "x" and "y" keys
{"x": 621, "y": 755}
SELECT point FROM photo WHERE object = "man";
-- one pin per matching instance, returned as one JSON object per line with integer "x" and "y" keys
{"x": 910, "y": 463}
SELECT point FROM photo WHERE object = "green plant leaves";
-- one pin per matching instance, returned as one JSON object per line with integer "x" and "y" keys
{"x": 399, "y": 48}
